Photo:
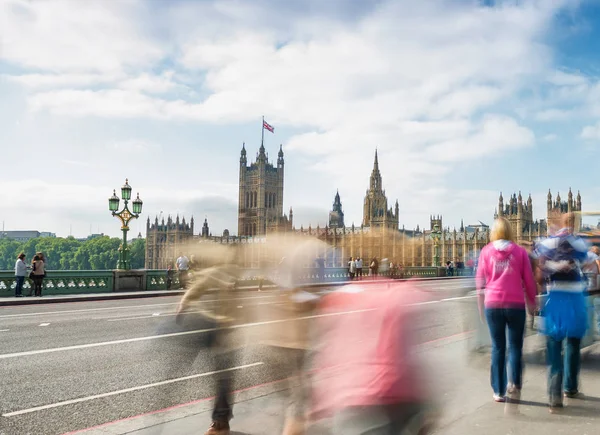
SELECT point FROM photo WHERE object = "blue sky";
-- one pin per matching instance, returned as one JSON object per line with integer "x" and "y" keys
{"x": 463, "y": 99}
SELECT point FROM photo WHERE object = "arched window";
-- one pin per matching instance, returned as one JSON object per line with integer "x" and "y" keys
{"x": 255, "y": 200}
{"x": 247, "y": 200}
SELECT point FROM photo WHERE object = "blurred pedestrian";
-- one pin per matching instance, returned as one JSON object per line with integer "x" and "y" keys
{"x": 561, "y": 257}
{"x": 38, "y": 272}
{"x": 504, "y": 271}
{"x": 183, "y": 269}
{"x": 221, "y": 281}
{"x": 367, "y": 372}
{"x": 351, "y": 268}
{"x": 20, "y": 274}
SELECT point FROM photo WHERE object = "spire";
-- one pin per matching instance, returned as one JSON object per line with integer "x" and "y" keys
{"x": 243, "y": 159}
{"x": 337, "y": 197}
{"x": 280, "y": 154}
{"x": 462, "y": 224}
{"x": 375, "y": 176}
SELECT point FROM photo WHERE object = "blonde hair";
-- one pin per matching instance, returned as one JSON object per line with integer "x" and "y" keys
{"x": 501, "y": 230}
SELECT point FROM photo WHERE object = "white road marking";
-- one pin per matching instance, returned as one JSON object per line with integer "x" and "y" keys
{"x": 156, "y": 314}
{"x": 126, "y": 390}
{"x": 458, "y": 298}
{"x": 173, "y": 334}
{"x": 44, "y": 324}
{"x": 128, "y": 307}
{"x": 4, "y": 330}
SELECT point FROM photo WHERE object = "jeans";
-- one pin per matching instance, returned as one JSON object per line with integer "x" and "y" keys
{"x": 498, "y": 320}
{"x": 569, "y": 366}
{"x": 19, "y": 287}
{"x": 597, "y": 312}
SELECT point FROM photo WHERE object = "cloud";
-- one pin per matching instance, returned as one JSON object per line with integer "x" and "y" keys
{"x": 86, "y": 36}
{"x": 430, "y": 84}
{"x": 591, "y": 132}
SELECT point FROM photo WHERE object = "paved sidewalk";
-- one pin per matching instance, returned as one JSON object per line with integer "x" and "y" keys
{"x": 460, "y": 380}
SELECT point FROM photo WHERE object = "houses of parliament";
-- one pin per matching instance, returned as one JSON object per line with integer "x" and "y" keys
{"x": 260, "y": 213}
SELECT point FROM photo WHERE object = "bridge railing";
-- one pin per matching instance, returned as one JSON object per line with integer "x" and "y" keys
{"x": 102, "y": 281}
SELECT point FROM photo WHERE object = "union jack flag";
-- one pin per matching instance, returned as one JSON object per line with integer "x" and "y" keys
{"x": 268, "y": 126}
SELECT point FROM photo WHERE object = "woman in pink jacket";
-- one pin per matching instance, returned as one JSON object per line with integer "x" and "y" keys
{"x": 505, "y": 276}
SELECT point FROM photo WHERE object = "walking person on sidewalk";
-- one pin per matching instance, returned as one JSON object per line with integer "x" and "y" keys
{"x": 561, "y": 257}
{"x": 20, "y": 274}
{"x": 506, "y": 286}
{"x": 38, "y": 272}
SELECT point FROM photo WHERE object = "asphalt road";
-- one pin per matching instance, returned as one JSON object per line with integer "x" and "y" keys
{"x": 66, "y": 367}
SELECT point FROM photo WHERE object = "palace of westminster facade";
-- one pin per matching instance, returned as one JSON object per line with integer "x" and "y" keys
{"x": 260, "y": 213}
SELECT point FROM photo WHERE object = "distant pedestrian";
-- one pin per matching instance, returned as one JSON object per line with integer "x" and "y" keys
{"x": 351, "y": 268}
{"x": 320, "y": 268}
{"x": 183, "y": 269}
{"x": 169, "y": 277}
{"x": 38, "y": 272}
{"x": 504, "y": 271}
{"x": 359, "y": 268}
{"x": 20, "y": 274}
{"x": 373, "y": 267}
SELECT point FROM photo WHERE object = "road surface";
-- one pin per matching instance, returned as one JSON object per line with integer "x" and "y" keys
{"x": 67, "y": 367}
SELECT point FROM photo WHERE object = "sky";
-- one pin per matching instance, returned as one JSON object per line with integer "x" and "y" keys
{"x": 462, "y": 99}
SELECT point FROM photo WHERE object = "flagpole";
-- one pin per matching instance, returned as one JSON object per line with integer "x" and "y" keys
{"x": 262, "y": 140}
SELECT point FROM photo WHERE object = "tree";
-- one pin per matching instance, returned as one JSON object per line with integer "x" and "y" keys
{"x": 100, "y": 253}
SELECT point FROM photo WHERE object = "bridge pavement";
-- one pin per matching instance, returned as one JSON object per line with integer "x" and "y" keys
{"x": 71, "y": 366}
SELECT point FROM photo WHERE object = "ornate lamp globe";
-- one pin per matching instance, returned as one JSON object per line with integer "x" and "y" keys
{"x": 126, "y": 191}
{"x": 137, "y": 205}
{"x": 113, "y": 202}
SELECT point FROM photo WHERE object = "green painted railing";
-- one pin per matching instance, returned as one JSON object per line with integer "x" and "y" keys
{"x": 101, "y": 281}
{"x": 59, "y": 282}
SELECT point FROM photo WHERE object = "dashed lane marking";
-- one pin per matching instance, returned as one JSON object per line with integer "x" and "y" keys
{"x": 43, "y": 324}
{"x": 126, "y": 390}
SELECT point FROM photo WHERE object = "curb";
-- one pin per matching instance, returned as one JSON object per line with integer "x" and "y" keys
{"x": 94, "y": 297}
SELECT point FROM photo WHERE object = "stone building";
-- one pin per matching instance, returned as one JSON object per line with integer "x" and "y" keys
{"x": 261, "y": 213}
{"x": 520, "y": 215}
{"x": 260, "y": 204}
{"x": 165, "y": 240}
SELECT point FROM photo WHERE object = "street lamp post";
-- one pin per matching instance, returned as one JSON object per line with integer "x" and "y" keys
{"x": 435, "y": 235}
{"x": 125, "y": 216}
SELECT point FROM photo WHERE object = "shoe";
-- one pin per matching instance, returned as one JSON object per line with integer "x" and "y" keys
{"x": 513, "y": 393}
{"x": 498, "y": 398}
{"x": 572, "y": 394}
{"x": 218, "y": 428}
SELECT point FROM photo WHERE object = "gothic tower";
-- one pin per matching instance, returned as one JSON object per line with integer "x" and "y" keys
{"x": 375, "y": 212}
{"x": 336, "y": 215}
{"x": 558, "y": 207}
{"x": 260, "y": 202}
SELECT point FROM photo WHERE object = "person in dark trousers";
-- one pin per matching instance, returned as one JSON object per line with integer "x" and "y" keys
{"x": 20, "y": 274}
{"x": 38, "y": 271}
{"x": 169, "y": 277}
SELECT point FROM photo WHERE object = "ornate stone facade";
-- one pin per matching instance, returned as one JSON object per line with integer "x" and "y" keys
{"x": 164, "y": 241}
{"x": 260, "y": 204}
{"x": 520, "y": 215}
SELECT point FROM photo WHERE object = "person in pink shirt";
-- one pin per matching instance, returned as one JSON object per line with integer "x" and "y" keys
{"x": 506, "y": 287}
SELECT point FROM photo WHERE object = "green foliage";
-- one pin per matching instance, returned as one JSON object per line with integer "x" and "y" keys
{"x": 99, "y": 253}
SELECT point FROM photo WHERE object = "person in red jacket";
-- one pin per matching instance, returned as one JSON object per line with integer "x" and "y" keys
{"x": 366, "y": 372}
